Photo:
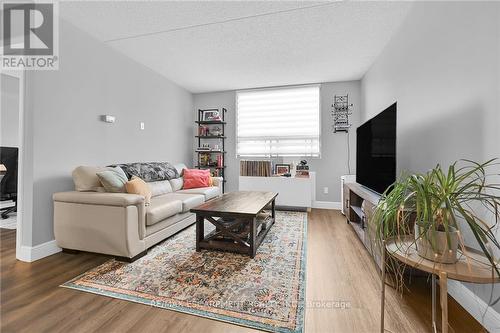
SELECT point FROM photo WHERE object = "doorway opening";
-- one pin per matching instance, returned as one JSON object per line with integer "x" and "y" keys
{"x": 11, "y": 143}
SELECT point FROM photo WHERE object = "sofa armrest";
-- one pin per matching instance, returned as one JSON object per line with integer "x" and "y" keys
{"x": 99, "y": 198}
{"x": 217, "y": 181}
{"x": 111, "y": 200}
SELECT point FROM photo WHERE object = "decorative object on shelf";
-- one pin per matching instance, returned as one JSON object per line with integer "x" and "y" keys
{"x": 429, "y": 205}
{"x": 204, "y": 147}
{"x": 282, "y": 169}
{"x": 211, "y": 126}
{"x": 302, "y": 170}
{"x": 341, "y": 112}
{"x": 302, "y": 165}
{"x": 211, "y": 115}
{"x": 216, "y": 131}
{"x": 204, "y": 160}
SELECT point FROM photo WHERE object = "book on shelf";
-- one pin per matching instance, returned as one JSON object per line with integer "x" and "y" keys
{"x": 203, "y": 130}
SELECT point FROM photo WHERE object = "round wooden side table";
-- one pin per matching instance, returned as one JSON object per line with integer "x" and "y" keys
{"x": 476, "y": 269}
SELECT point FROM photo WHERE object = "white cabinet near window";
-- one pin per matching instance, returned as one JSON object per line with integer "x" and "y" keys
{"x": 292, "y": 191}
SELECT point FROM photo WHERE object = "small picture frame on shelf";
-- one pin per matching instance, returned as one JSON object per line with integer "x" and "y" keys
{"x": 281, "y": 169}
{"x": 211, "y": 115}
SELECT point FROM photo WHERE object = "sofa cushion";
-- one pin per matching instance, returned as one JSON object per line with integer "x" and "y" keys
{"x": 85, "y": 178}
{"x": 208, "y": 192}
{"x": 176, "y": 183}
{"x": 151, "y": 229}
{"x": 162, "y": 207}
{"x": 188, "y": 200}
{"x": 160, "y": 187}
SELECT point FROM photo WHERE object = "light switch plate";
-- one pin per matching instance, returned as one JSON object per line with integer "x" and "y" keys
{"x": 142, "y": 125}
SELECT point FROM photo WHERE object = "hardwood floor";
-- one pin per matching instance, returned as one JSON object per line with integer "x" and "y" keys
{"x": 339, "y": 269}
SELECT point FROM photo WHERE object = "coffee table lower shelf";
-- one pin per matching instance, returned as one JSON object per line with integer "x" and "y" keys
{"x": 243, "y": 247}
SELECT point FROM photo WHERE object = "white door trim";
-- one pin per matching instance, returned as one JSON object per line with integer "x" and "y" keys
{"x": 20, "y": 254}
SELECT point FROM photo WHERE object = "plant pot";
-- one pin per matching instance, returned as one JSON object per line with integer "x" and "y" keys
{"x": 433, "y": 245}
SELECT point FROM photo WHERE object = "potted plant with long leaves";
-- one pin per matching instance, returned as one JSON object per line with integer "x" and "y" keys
{"x": 436, "y": 205}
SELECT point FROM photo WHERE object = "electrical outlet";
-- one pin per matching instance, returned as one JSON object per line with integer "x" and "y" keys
{"x": 325, "y": 190}
{"x": 142, "y": 125}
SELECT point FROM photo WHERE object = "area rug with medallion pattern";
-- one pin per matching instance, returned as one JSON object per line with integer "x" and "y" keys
{"x": 266, "y": 293}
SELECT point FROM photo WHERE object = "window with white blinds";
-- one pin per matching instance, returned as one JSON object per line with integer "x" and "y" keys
{"x": 278, "y": 122}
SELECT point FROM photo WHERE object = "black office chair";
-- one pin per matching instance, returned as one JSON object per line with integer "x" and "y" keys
{"x": 8, "y": 185}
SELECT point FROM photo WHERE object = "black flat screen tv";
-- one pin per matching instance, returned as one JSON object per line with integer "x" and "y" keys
{"x": 376, "y": 151}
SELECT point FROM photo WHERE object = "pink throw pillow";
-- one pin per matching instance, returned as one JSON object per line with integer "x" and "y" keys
{"x": 194, "y": 178}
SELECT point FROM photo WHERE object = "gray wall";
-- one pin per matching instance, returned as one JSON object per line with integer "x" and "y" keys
{"x": 9, "y": 114}
{"x": 333, "y": 161}
{"x": 442, "y": 67}
{"x": 64, "y": 107}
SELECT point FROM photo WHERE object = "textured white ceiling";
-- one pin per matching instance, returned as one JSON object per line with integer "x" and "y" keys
{"x": 215, "y": 46}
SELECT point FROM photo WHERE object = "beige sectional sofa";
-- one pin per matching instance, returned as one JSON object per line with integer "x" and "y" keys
{"x": 120, "y": 224}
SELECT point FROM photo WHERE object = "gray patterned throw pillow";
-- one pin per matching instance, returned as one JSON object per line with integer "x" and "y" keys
{"x": 150, "y": 171}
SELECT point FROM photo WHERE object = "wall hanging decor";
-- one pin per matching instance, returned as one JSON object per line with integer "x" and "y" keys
{"x": 340, "y": 112}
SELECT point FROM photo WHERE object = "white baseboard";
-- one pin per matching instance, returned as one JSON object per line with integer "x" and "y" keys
{"x": 326, "y": 205}
{"x": 478, "y": 308}
{"x": 23, "y": 253}
{"x": 30, "y": 254}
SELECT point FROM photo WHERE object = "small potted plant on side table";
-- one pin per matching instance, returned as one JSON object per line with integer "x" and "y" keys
{"x": 436, "y": 205}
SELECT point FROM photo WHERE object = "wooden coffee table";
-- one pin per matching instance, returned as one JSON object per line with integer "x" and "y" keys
{"x": 233, "y": 210}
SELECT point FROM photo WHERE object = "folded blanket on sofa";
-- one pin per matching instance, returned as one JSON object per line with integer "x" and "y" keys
{"x": 150, "y": 171}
